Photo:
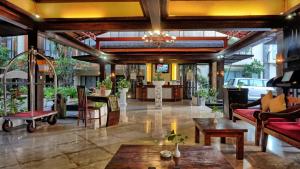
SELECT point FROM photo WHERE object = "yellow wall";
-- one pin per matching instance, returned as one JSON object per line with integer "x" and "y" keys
{"x": 226, "y": 8}
{"x": 149, "y": 72}
{"x": 174, "y": 70}
{"x": 27, "y": 5}
{"x": 292, "y": 3}
{"x": 89, "y": 10}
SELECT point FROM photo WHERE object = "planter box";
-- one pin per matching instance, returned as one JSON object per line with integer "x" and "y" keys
{"x": 198, "y": 101}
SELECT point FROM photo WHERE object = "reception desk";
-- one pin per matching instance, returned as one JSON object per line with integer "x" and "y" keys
{"x": 170, "y": 93}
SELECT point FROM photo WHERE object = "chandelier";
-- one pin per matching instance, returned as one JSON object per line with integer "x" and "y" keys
{"x": 157, "y": 38}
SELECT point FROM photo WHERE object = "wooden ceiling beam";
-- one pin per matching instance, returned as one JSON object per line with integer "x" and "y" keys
{"x": 74, "y": 25}
{"x": 15, "y": 16}
{"x": 177, "y": 38}
{"x": 153, "y": 8}
{"x": 68, "y": 40}
{"x": 254, "y": 23}
{"x": 162, "y": 50}
{"x": 251, "y": 38}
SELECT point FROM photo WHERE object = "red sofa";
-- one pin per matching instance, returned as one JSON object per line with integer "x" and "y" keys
{"x": 287, "y": 130}
{"x": 248, "y": 114}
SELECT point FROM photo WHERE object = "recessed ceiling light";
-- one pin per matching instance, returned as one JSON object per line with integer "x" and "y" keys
{"x": 281, "y": 13}
{"x": 161, "y": 59}
{"x": 37, "y": 16}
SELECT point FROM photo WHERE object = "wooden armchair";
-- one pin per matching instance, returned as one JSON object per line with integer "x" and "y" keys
{"x": 248, "y": 114}
{"x": 84, "y": 110}
{"x": 288, "y": 131}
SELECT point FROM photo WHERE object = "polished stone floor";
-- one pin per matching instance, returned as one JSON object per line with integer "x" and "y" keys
{"x": 66, "y": 146}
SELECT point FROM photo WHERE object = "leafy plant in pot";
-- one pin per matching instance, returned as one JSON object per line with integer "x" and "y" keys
{"x": 107, "y": 83}
{"x": 123, "y": 85}
{"x": 202, "y": 96}
{"x": 177, "y": 139}
{"x": 158, "y": 80}
{"x": 212, "y": 95}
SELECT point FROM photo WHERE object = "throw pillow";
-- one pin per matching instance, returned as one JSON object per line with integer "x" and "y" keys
{"x": 265, "y": 101}
{"x": 278, "y": 104}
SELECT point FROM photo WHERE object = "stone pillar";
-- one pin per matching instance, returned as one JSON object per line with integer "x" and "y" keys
{"x": 158, "y": 93}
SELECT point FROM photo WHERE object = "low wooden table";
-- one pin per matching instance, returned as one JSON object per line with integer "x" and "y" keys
{"x": 145, "y": 156}
{"x": 223, "y": 128}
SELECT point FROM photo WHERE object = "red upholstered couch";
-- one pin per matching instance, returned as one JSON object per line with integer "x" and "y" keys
{"x": 248, "y": 114}
{"x": 288, "y": 130}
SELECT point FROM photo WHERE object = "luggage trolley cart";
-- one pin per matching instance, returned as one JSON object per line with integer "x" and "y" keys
{"x": 30, "y": 116}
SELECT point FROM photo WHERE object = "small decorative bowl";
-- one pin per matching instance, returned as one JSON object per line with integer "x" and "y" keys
{"x": 166, "y": 155}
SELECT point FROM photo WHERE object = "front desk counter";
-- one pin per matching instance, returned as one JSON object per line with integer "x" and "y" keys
{"x": 170, "y": 93}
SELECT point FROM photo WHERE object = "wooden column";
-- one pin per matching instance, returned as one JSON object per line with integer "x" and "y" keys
{"x": 220, "y": 78}
{"x": 33, "y": 41}
{"x": 113, "y": 77}
{"x": 102, "y": 71}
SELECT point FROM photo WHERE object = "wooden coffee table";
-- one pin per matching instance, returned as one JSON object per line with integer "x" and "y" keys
{"x": 223, "y": 128}
{"x": 145, "y": 156}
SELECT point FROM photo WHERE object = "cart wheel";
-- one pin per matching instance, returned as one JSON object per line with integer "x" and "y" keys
{"x": 52, "y": 120}
{"x": 7, "y": 125}
{"x": 30, "y": 128}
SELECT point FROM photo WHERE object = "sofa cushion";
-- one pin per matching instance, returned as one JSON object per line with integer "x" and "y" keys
{"x": 278, "y": 104}
{"x": 265, "y": 101}
{"x": 247, "y": 113}
{"x": 289, "y": 129}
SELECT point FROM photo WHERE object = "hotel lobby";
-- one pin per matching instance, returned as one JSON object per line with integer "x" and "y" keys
{"x": 149, "y": 84}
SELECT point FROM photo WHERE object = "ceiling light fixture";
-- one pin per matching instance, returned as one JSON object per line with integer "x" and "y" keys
{"x": 37, "y": 16}
{"x": 158, "y": 38}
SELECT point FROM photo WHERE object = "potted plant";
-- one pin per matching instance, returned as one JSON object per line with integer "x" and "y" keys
{"x": 176, "y": 138}
{"x": 212, "y": 95}
{"x": 123, "y": 85}
{"x": 216, "y": 112}
{"x": 202, "y": 96}
{"x": 107, "y": 84}
{"x": 158, "y": 80}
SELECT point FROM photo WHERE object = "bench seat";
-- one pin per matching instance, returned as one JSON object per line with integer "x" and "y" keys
{"x": 289, "y": 129}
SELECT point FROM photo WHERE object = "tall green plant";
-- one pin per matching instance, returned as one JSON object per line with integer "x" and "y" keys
{"x": 64, "y": 67}
{"x": 107, "y": 83}
{"x": 254, "y": 67}
{"x": 4, "y": 56}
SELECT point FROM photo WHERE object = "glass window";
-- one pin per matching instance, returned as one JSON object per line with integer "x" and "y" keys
{"x": 257, "y": 83}
{"x": 230, "y": 82}
{"x": 243, "y": 82}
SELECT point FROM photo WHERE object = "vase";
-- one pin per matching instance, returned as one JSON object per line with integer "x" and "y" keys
{"x": 177, "y": 152}
{"x": 107, "y": 92}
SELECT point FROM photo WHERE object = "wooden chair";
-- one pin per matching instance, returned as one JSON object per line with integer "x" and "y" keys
{"x": 247, "y": 113}
{"x": 84, "y": 110}
{"x": 288, "y": 131}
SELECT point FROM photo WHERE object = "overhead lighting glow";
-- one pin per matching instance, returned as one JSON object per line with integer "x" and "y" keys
{"x": 37, "y": 16}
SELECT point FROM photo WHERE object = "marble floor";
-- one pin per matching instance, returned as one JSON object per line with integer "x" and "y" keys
{"x": 65, "y": 145}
